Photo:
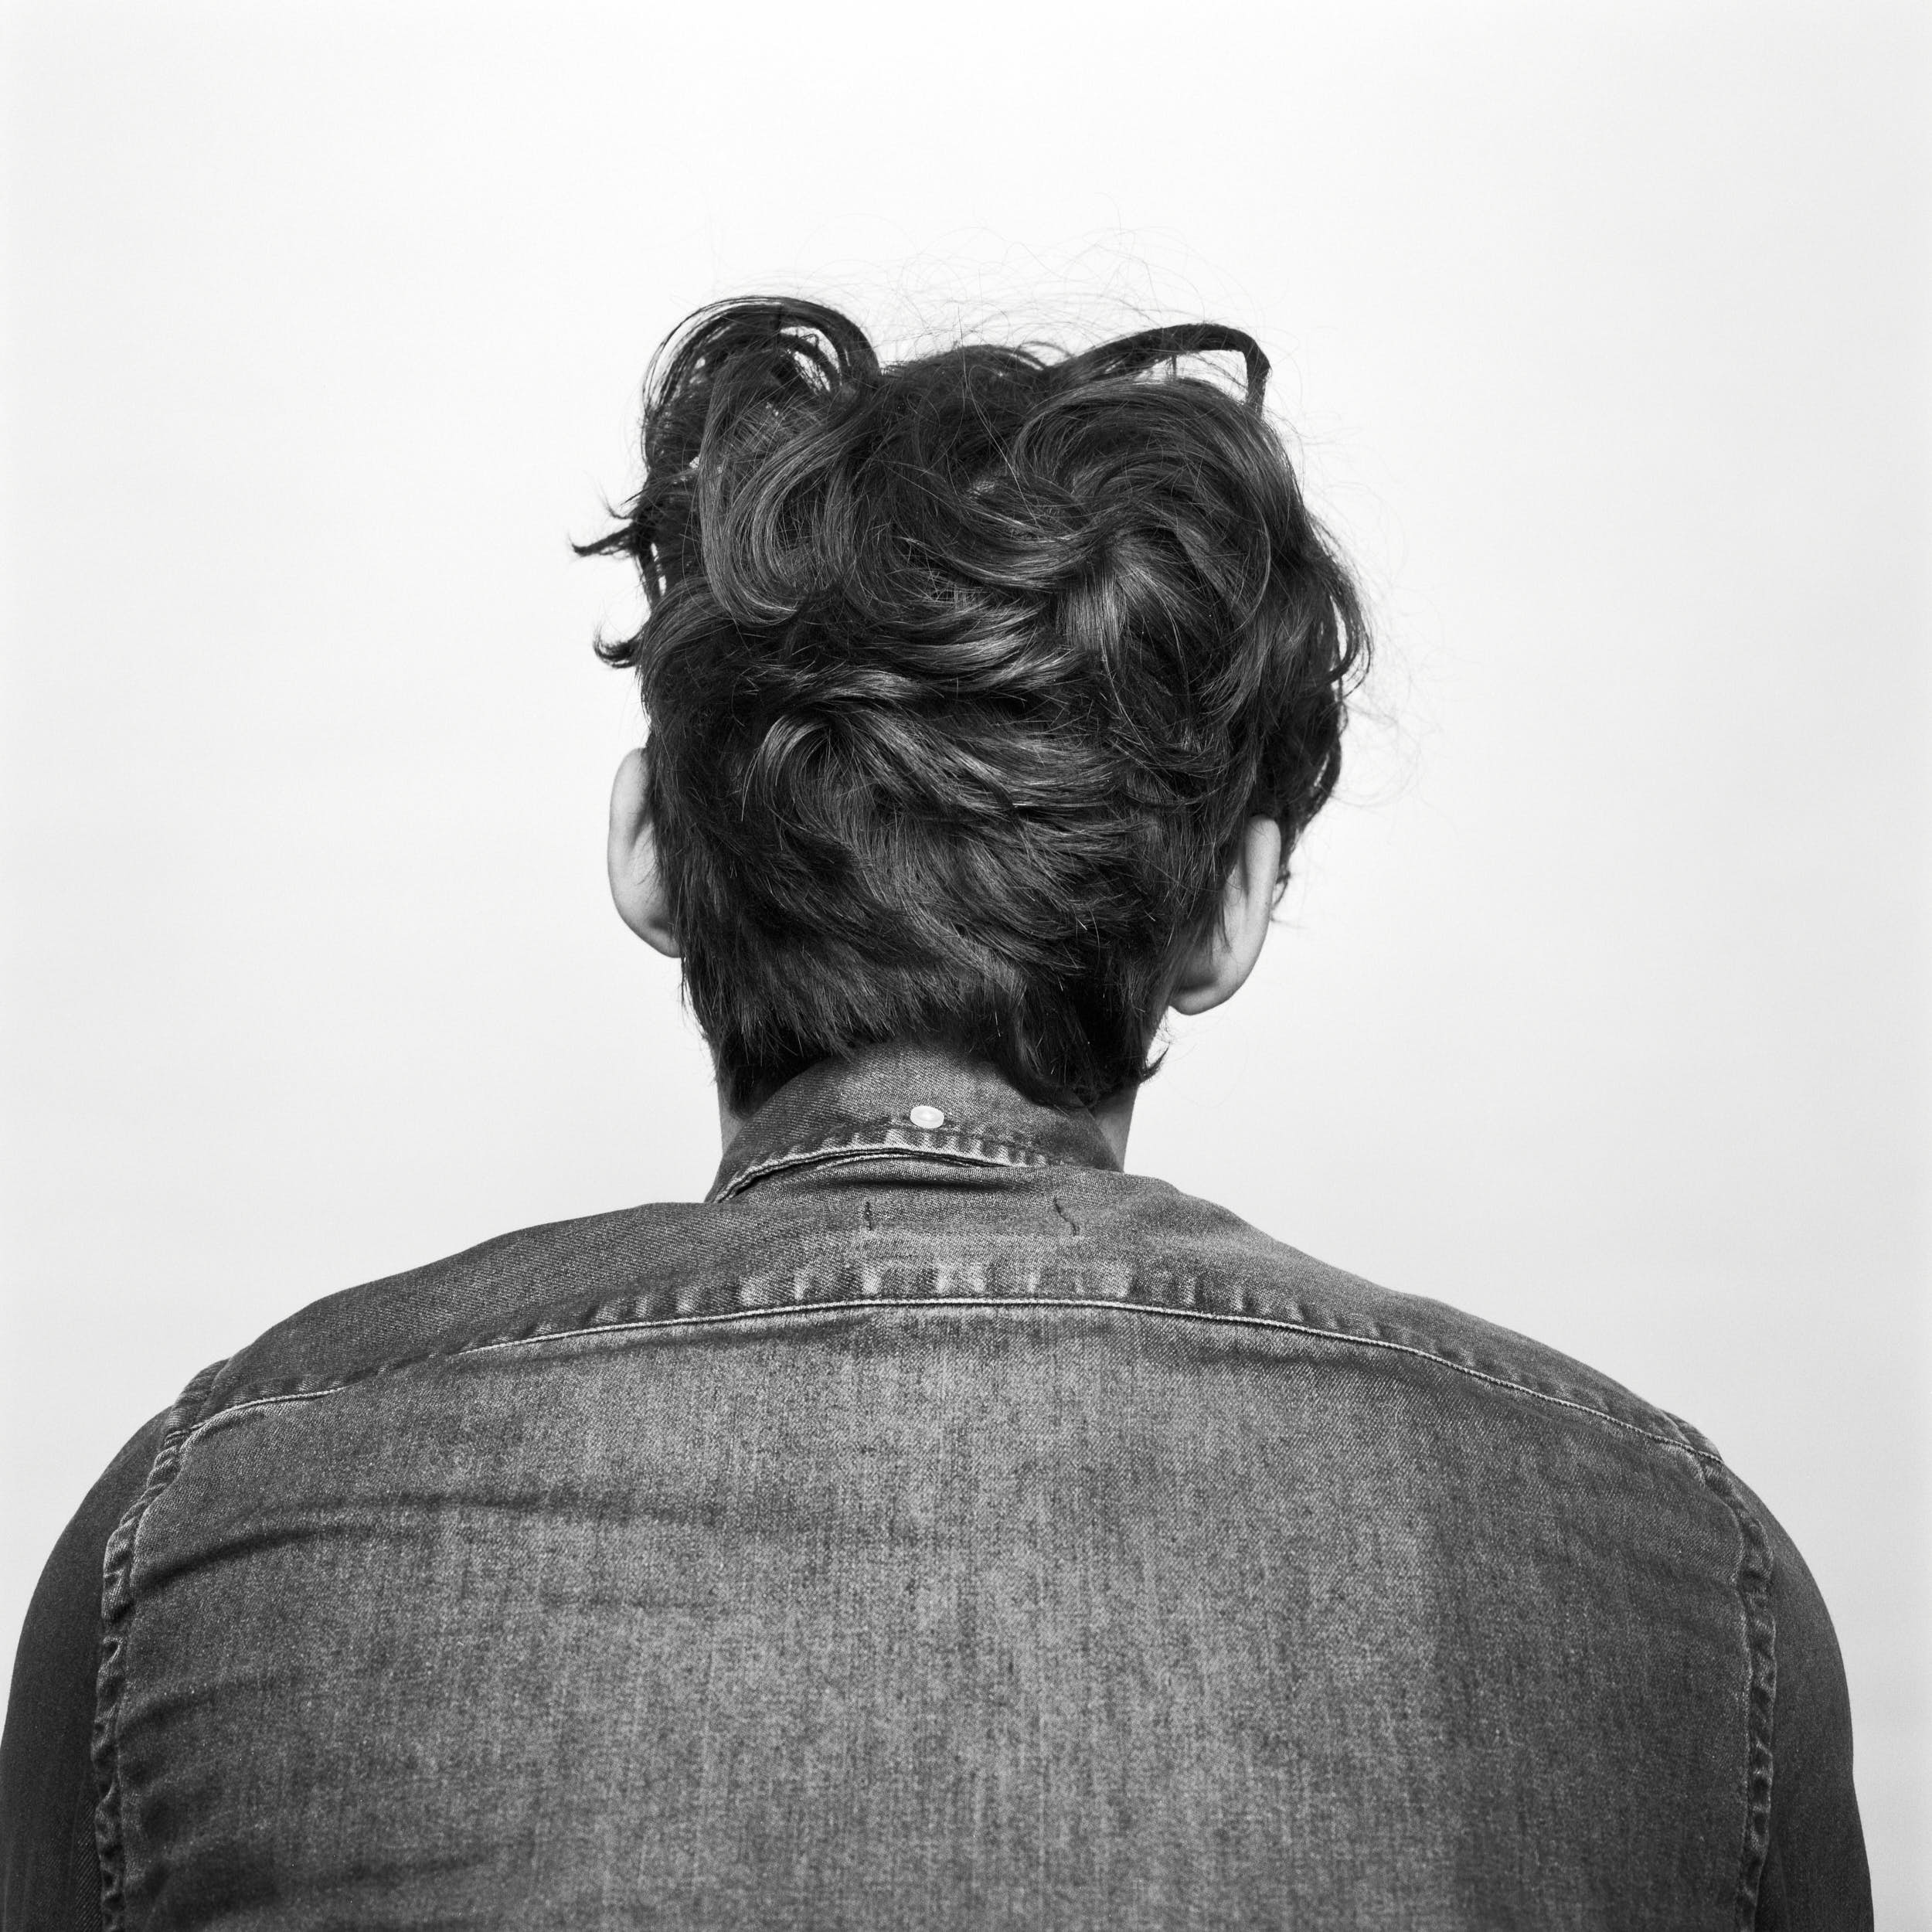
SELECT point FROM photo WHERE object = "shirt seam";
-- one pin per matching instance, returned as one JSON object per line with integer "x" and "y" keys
{"x": 869, "y": 1151}
{"x": 118, "y": 1601}
{"x": 1703, "y": 1453}
{"x": 1758, "y": 1625}
{"x": 889, "y": 1135}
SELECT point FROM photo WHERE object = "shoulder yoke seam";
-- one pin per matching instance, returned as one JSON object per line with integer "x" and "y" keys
{"x": 1703, "y": 1453}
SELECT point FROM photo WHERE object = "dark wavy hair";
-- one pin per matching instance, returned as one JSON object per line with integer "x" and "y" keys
{"x": 963, "y": 675}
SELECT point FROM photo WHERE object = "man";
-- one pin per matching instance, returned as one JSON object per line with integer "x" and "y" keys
{"x": 936, "y": 1525}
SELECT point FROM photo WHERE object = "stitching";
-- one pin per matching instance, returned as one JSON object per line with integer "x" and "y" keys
{"x": 834, "y": 1156}
{"x": 833, "y": 1153}
{"x": 1705, "y": 1454}
{"x": 184, "y": 1421}
{"x": 1758, "y": 1618}
{"x": 208, "y": 1424}
{"x": 889, "y": 1135}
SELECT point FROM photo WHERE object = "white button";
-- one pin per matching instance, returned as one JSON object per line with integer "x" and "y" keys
{"x": 928, "y": 1118}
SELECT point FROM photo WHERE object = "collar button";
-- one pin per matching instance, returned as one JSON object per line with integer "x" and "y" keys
{"x": 927, "y": 1117}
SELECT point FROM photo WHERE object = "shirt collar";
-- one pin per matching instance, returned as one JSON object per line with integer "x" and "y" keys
{"x": 915, "y": 1102}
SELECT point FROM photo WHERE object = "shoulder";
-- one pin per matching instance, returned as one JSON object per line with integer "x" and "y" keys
{"x": 1145, "y": 1244}
{"x": 1234, "y": 1272}
{"x": 517, "y": 1283}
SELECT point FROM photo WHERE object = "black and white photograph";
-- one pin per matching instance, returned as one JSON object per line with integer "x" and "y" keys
{"x": 966, "y": 969}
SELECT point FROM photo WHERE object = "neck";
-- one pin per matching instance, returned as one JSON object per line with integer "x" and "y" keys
{"x": 1114, "y": 1117}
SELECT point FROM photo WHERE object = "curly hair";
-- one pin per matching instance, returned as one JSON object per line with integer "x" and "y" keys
{"x": 963, "y": 675}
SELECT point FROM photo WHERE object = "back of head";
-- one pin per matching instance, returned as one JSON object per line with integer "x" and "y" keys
{"x": 964, "y": 675}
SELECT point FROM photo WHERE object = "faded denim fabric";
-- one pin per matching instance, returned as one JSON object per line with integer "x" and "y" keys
{"x": 935, "y": 1527}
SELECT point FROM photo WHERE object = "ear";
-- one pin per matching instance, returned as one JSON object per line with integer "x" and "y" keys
{"x": 1217, "y": 966}
{"x": 636, "y": 886}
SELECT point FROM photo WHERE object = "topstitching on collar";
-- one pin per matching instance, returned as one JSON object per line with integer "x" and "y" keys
{"x": 867, "y": 1140}
{"x": 908, "y": 1102}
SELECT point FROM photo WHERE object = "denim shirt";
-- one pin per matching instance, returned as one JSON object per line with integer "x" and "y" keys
{"x": 935, "y": 1526}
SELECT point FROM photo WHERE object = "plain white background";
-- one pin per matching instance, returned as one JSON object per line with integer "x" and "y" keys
{"x": 1598, "y": 1006}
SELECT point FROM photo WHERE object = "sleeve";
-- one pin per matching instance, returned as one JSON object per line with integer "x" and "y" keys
{"x": 50, "y": 1879}
{"x": 1815, "y": 1877}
